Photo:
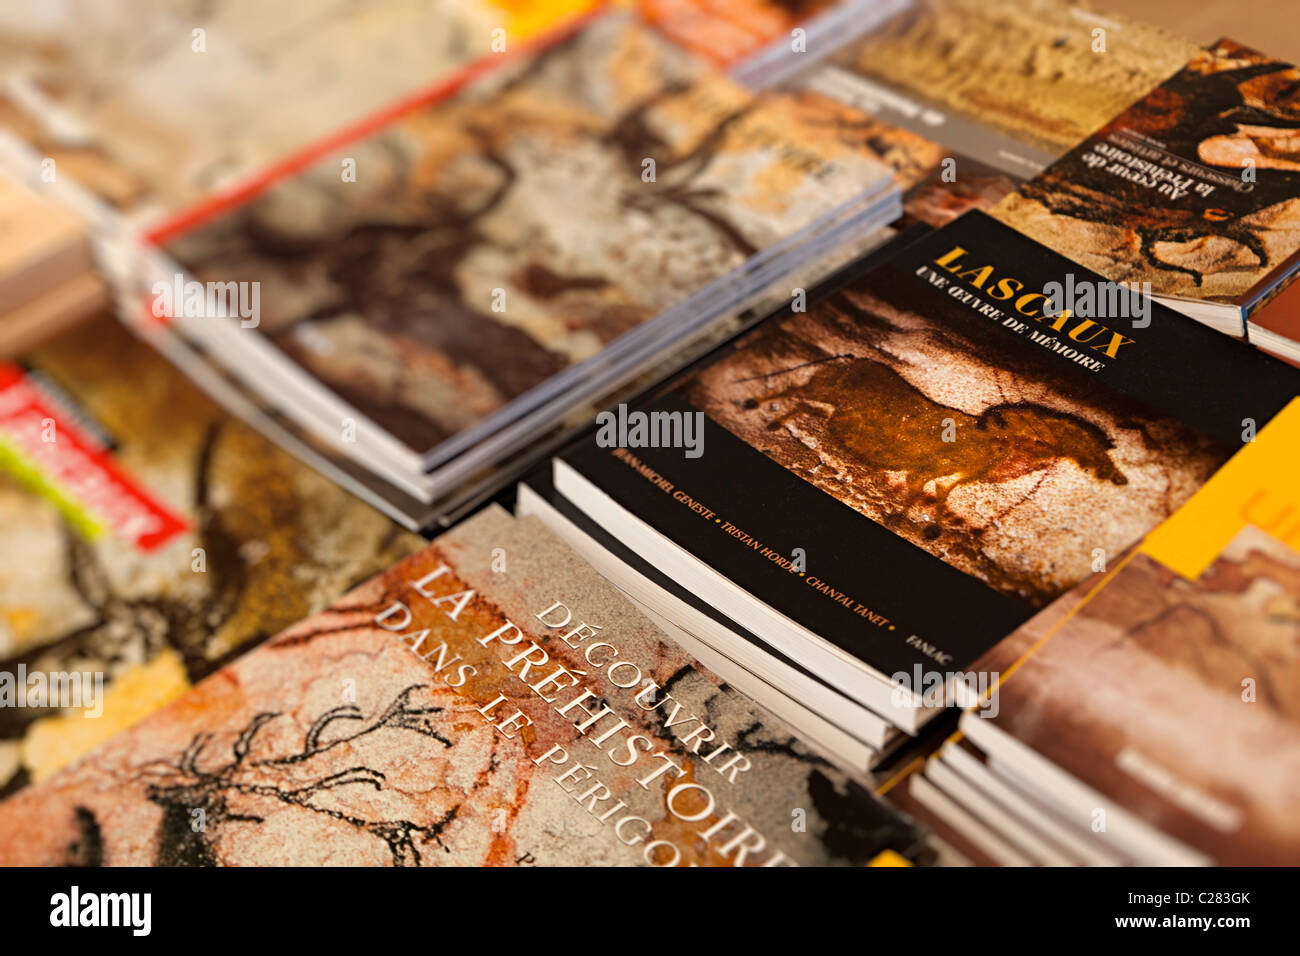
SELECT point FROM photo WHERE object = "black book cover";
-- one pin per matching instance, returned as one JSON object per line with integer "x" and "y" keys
{"x": 921, "y": 459}
{"x": 541, "y": 484}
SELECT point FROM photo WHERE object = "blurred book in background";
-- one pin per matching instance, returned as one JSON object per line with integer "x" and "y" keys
{"x": 149, "y": 537}
{"x": 435, "y": 294}
{"x": 47, "y": 277}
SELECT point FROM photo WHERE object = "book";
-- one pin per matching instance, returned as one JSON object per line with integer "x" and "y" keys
{"x": 146, "y": 538}
{"x": 1275, "y": 326}
{"x": 1191, "y": 193}
{"x": 883, "y": 486}
{"x": 52, "y": 313}
{"x": 155, "y": 116}
{"x": 47, "y": 276}
{"x": 761, "y": 42}
{"x": 991, "y": 812}
{"x": 855, "y": 738}
{"x": 1028, "y": 79}
{"x": 990, "y": 93}
{"x": 41, "y": 246}
{"x": 489, "y": 700}
{"x": 444, "y": 509}
{"x": 724, "y": 32}
{"x": 951, "y": 846}
{"x": 1153, "y": 709}
{"x": 937, "y": 169}
{"x": 505, "y": 219}
{"x": 852, "y": 736}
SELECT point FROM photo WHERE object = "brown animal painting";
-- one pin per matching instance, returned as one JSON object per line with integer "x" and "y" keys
{"x": 884, "y": 423}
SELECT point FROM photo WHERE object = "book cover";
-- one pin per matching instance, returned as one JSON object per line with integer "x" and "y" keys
{"x": 724, "y": 31}
{"x": 938, "y": 180}
{"x": 155, "y": 115}
{"x": 488, "y": 701}
{"x": 999, "y": 90}
{"x": 513, "y": 231}
{"x": 912, "y": 466}
{"x": 1169, "y": 686}
{"x": 147, "y": 538}
{"x": 1045, "y": 73}
{"x": 1194, "y": 189}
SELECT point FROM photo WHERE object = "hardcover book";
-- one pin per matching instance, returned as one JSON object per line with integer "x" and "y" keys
{"x": 893, "y": 480}
{"x": 488, "y": 701}
{"x": 1192, "y": 192}
{"x": 1165, "y": 693}
{"x": 147, "y": 538}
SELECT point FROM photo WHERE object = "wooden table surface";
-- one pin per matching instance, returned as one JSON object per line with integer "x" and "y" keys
{"x": 1270, "y": 26}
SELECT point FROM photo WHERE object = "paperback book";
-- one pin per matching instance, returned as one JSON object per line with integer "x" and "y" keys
{"x": 729, "y": 31}
{"x": 154, "y": 106}
{"x": 1191, "y": 194}
{"x": 516, "y": 249}
{"x": 489, "y": 701}
{"x": 916, "y": 797}
{"x": 885, "y": 485}
{"x": 146, "y": 538}
{"x": 1163, "y": 695}
{"x": 855, "y": 738}
{"x": 1035, "y": 76}
{"x": 990, "y": 93}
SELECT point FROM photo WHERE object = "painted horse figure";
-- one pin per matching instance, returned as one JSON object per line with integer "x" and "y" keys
{"x": 884, "y": 423}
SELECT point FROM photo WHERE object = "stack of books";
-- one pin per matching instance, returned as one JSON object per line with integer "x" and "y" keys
{"x": 849, "y": 507}
{"x": 1149, "y": 716}
{"x": 906, "y": 477}
{"x": 877, "y": 490}
{"x": 424, "y": 301}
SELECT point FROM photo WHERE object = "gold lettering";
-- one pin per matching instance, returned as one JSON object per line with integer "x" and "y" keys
{"x": 1004, "y": 289}
{"x": 1116, "y": 341}
{"x": 981, "y": 276}
{"x": 953, "y": 256}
